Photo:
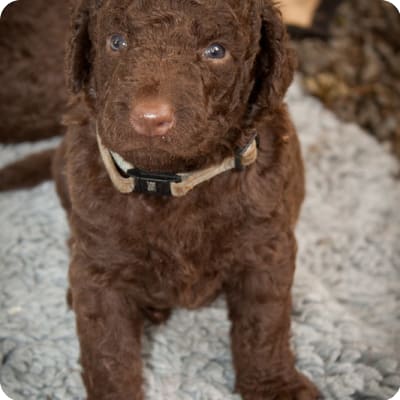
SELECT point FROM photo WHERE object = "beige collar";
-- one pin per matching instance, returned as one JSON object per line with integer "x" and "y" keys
{"x": 171, "y": 185}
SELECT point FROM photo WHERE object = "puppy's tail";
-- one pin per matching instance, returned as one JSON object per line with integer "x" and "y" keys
{"x": 28, "y": 172}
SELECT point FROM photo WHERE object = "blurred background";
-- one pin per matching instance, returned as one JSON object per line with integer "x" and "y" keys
{"x": 349, "y": 58}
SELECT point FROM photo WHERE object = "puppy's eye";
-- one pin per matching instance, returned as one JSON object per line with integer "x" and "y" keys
{"x": 118, "y": 42}
{"x": 215, "y": 52}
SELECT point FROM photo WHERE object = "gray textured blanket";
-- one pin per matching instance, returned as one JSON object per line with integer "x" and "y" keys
{"x": 346, "y": 319}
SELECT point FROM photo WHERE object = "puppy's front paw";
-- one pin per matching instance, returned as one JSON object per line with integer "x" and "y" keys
{"x": 301, "y": 389}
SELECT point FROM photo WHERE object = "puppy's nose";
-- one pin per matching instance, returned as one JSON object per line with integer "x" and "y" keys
{"x": 152, "y": 117}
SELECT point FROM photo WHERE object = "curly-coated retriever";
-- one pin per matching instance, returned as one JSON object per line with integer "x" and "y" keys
{"x": 182, "y": 178}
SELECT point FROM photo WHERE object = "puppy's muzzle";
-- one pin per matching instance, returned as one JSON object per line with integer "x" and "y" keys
{"x": 152, "y": 117}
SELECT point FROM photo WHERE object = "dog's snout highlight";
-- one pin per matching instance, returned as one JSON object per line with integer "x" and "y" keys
{"x": 153, "y": 117}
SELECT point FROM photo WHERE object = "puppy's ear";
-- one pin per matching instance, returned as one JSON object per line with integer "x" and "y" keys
{"x": 275, "y": 63}
{"x": 78, "y": 47}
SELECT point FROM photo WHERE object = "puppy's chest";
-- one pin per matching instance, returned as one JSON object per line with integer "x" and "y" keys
{"x": 170, "y": 255}
{"x": 187, "y": 257}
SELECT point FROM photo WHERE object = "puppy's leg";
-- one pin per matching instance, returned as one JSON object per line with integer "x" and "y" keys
{"x": 260, "y": 308}
{"x": 109, "y": 329}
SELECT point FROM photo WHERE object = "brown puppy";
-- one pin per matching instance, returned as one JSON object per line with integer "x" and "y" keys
{"x": 176, "y": 87}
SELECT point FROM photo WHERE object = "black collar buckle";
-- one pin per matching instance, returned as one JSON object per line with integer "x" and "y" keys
{"x": 157, "y": 183}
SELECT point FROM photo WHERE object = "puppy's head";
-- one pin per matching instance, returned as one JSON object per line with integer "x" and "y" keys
{"x": 173, "y": 84}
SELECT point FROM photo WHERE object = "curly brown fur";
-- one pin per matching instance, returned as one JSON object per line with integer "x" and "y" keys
{"x": 32, "y": 89}
{"x": 136, "y": 256}
{"x": 28, "y": 172}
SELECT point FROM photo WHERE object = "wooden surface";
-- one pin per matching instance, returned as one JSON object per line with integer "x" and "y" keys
{"x": 299, "y": 12}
